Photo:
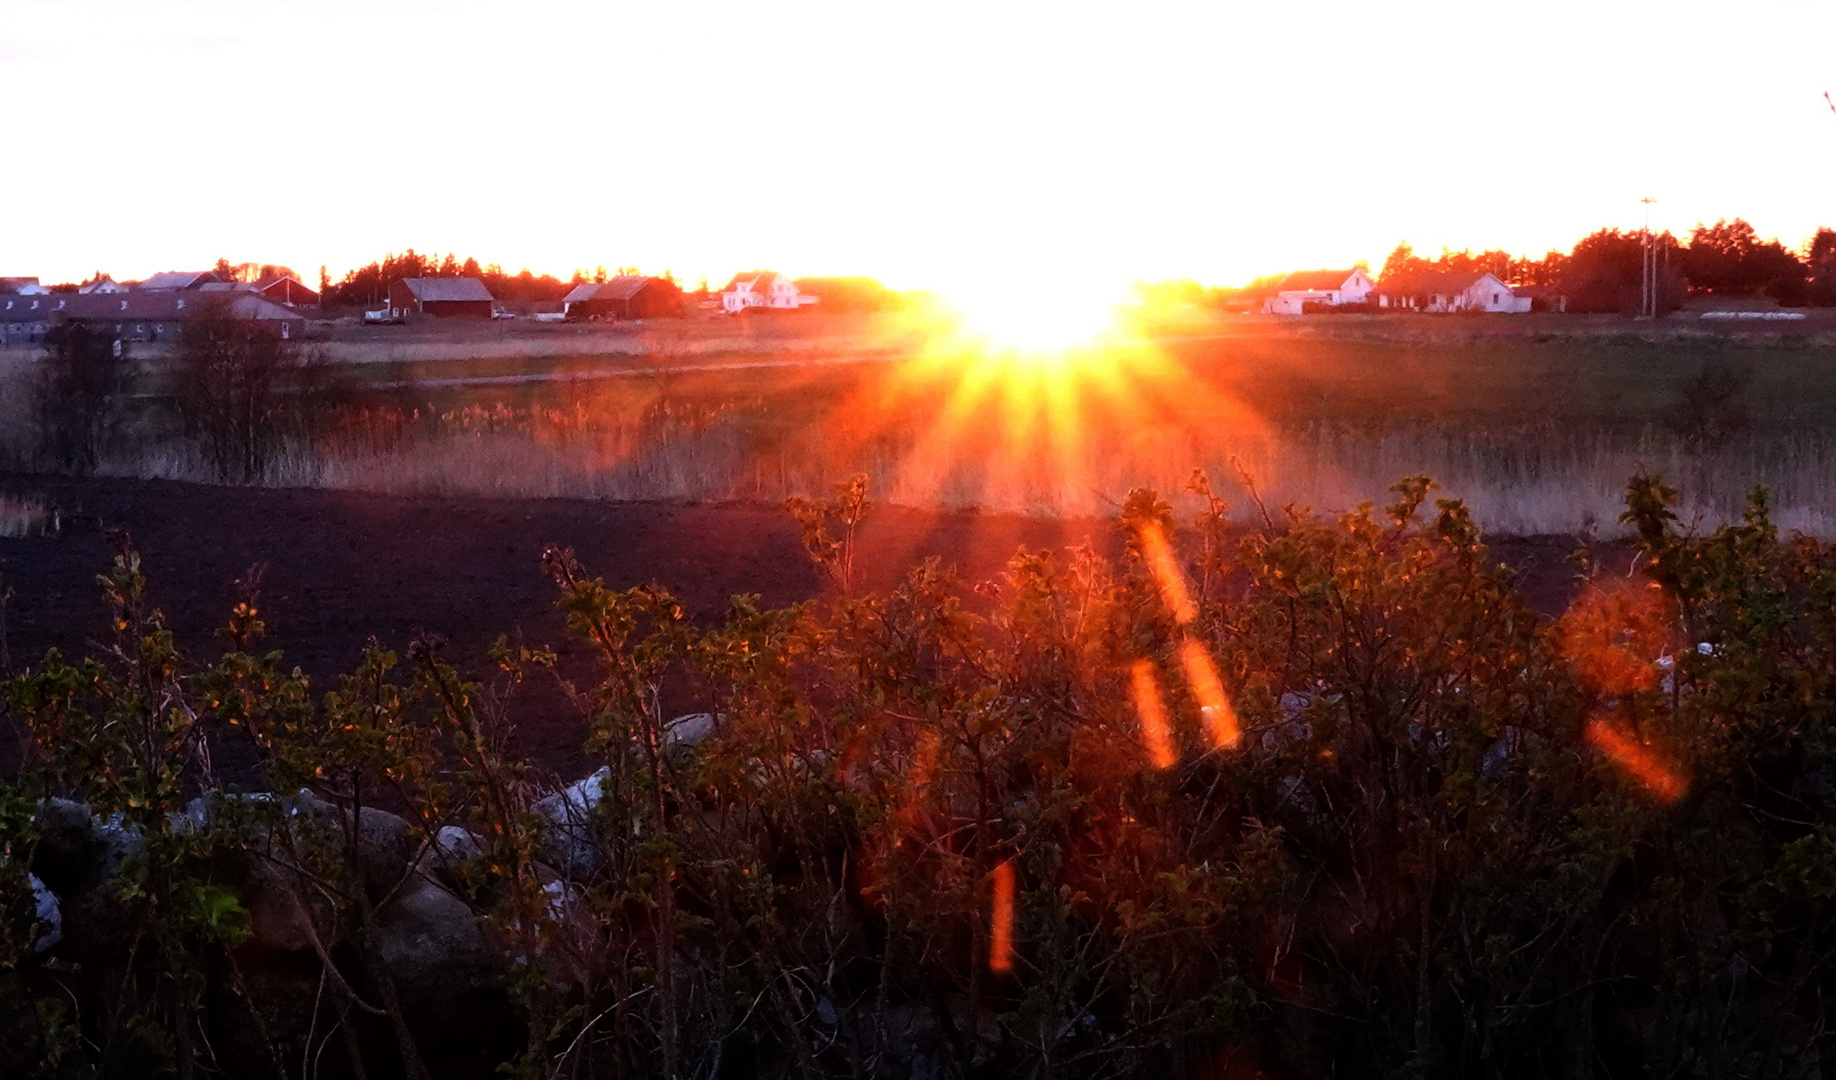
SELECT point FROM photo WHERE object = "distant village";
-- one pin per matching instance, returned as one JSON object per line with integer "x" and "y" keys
{"x": 1723, "y": 270}
{"x": 1312, "y": 291}
{"x": 156, "y": 309}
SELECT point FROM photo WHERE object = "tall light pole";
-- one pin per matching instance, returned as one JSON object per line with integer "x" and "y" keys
{"x": 1648, "y": 275}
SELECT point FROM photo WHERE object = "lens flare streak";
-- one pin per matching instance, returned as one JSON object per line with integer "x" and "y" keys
{"x": 1167, "y": 573}
{"x": 1156, "y": 735}
{"x": 1640, "y": 763}
{"x": 1001, "y": 930}
{"x": 1221, "y": 725}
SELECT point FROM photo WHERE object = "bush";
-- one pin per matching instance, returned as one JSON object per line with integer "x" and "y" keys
{"x": 1325, "y": 798}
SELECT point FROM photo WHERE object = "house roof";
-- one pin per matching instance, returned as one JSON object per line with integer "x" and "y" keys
{"x": 1314, "y": 280}
{"x": 623, "y": 287}
{"x": 179, "y": 279}
{"x": 447, "y": 289}
{"x": 759, "y": 280}
{"x": 1433, "y": 284}
{"x": 161, "y": 306}
{"x": 14, "y": 284}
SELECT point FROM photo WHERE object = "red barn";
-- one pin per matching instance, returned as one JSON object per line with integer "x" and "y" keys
{"x": 286, "y": 289}
{"x": 445, "y": 297}
{"x": 624, "y": 297}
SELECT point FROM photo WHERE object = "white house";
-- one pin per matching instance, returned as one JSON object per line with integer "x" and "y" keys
{"x": 103, "y": 284}
{"x": 1319, "y": 288}
{"x": 763, "y": 289}
{"x": 1451, "y": 292}
{"x": 22, "y": 286}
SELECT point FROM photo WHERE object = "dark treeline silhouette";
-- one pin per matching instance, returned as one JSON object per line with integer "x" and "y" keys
{"x": 1602, "y": 272}
{"x": 370, "y": 284}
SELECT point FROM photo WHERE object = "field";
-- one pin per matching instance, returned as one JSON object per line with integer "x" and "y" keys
{"x": 1112, "y": 784}
{"x": 1536, "y": 421}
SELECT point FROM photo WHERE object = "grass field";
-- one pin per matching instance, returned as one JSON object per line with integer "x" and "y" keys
{"x": 1536, "y": 422}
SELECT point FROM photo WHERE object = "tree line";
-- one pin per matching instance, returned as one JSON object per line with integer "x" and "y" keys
{"x": 1603, "y": 271}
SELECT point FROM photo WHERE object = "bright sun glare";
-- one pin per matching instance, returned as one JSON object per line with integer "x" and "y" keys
{"x": 1044, "y": 320}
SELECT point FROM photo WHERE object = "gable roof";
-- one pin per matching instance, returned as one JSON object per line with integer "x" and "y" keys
{"x": 1315, "y": 280}
{"x": 180, "y": 279}
{"x": 14, "y": 284}
{"x": 447, "y": 289}
{"x": 760, "y": 281}
{"x": 1447, "y": 284}
{"x": 622, "y": 287}
{"x": 169, "y": 305}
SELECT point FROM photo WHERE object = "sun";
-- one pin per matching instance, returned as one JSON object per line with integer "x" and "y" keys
{"x": 1042, "y": 318}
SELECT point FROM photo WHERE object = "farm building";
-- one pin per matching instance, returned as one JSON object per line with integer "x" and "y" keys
{"x": 157, "y": 317}
{"x": 625, "y": 297}
{"x": 1541, "y": 297}
{"x": 461, "y": 297}
{"x": 169, "y": 280}
{"x": 1449, "y": 293}
{"x": 762, "y": 289}
{"x": 1312, "y": 290}
{"x": 22, "y": 286}
{"x": 285, "y": 289}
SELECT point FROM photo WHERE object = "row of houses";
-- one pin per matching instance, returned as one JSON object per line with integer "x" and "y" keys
{"x": 156, "y": 317}
{"x": 153, "y": 309}
{"x": 1355, "y": 289}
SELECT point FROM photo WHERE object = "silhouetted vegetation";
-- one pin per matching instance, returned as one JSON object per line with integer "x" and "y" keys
{"x": 242, "y": 392}
{"x": 1604, "y": 270}
{"x": 1320, "y": 799}
{"x": 77, "y": 396}
{"x": 369, "y": 285}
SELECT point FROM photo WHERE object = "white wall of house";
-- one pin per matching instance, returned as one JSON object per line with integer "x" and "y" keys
{"x": 1355, "y": 289}
{"x": 1489, "y": 294}
{"x": 781, "y": 294}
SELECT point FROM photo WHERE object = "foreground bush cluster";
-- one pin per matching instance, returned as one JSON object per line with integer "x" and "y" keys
{"x": 1323, "y": 799}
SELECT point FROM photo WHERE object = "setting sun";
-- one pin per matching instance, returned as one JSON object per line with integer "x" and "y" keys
{"x": 1036, "y": 318}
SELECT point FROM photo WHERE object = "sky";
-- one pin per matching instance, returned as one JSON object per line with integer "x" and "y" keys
{"x": 933, "y": 145}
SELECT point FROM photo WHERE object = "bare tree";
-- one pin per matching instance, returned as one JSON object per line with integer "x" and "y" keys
{"x": 243, "y": 391}
{"x": 77, "y": 399}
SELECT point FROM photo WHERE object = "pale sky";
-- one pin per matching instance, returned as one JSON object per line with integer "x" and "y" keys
{"x": 919, "y": 142}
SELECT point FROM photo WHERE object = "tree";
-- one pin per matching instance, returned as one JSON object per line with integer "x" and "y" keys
{"x": 1604, "y": 271}
{"x": 1729, "y": 259}
{"x": 1820, "y": 261}
{"x": 242, "y": 391}
{"x": 77, "y": 399}
{"x": 1403, "y": 262}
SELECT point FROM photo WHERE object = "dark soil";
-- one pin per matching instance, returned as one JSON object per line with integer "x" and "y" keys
{"x": 341, "y": 568}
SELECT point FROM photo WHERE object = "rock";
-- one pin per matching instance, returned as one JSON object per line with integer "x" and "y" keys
{"x": 689, "y": 730}
{"x": 77, "y": 859}
{"x": 386, "y": 845}
{"x": 78, "y": 853}
{"x": 570, "y": 844}
{"x": 456, "y": 844}
{"x": 208, "y": 810}
{"x": 45, "y": 908}
{"x": 433, "y": 948}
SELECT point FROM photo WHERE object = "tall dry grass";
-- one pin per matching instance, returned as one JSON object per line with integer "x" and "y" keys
{"x": 1518, "y": 484}
{"x": 727, "y": 439}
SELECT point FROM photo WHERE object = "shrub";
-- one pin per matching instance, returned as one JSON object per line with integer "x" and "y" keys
{"x": 1322, "y": 798}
